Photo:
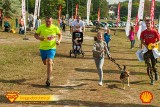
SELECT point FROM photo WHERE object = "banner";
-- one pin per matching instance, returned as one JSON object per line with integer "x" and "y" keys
{"x": 152, "y": 13}
{"x": 159, "y": 25}
{"x": 76, "y": 11}
{"x": 88, "y": 10}
{"x": 137, "y": 24}
{"x": 118, "y": 15}
{"x": 129, "y": 17}
{"x": 24, "y": 12}
{"x": 35, "y": 12}
{"x": 139, "y": 16}
{"x": 98, "y": 15}
{"x": 59, "y": 14}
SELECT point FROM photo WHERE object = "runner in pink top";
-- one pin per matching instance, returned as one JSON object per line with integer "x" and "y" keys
{"x": 131, "y": 37}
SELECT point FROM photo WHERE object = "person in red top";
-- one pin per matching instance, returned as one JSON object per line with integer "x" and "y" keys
{"x": 147, "y": 37}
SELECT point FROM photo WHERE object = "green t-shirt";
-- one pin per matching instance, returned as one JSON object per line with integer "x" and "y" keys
{"x": 50, "y": 36}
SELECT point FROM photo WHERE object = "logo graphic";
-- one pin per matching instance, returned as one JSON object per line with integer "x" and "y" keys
{"x": 12, "y": 96}
{"x": 146, "y": 97}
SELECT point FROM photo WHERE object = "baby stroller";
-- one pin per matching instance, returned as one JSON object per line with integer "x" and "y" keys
{"x": 77, "y": 40}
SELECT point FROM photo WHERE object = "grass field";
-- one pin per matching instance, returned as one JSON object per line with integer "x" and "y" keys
{"x": 75, "y": 80}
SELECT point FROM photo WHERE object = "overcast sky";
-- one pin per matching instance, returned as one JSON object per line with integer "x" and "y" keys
{"x": 116, "y": 1}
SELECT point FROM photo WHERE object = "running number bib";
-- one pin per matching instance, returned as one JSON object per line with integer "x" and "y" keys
{"x": 50, "y": 38}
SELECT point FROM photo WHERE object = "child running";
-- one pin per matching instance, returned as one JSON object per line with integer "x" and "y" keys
{"x": 107, "y": 37}
{"x": 131, "y": 37}
{"x": 99, "y": 51}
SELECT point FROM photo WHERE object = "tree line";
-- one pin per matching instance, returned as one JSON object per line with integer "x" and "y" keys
{"x": 12, "y": 8}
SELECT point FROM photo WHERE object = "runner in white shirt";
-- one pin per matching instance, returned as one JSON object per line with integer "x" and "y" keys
{"x": 143, "y": 25}
{"x": 78, "y": 25}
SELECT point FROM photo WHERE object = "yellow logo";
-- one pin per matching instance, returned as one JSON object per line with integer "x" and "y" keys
{"x": 12, "y": 96}
{"x": 146, "y": 97}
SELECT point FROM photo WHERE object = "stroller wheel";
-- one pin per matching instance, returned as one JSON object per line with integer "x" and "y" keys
{"x": 83, "y": 54}
{"x": 70, "y": 52}
{"x": 75, "y": 55}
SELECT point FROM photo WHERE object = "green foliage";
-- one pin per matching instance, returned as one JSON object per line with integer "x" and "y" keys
{"x": 93, "y": 17}
{"x": 11, "y": 8}
{"x": 124, "y": 18}
{"x": 50, "y": 7}
{"x": 1, "y": 4}
{"x": 31, "y": 4}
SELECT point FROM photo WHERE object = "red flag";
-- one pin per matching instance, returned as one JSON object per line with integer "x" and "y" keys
{"x": 118, "y": 14}
{"x": 136, "y": 24}
{"x": 152, "y": 13}
{"x": 98, "y": 15}
{"x": 76, "y": 10}
{"x": 59, "y": 14}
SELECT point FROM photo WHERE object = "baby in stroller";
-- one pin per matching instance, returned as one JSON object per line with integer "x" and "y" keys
{"x": 77, "y": 39}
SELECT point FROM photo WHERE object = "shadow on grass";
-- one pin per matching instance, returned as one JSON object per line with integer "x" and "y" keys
{"x": 122, "y": 52}
{"x": 63, "y": 55}
{"x": 70, "y": 42}
{"x": 70, "y": 87}
{"x": 72, "y": 56}
{"x": 3, "y": 99}
{"x": 108, "y": 71}
{"x": 19, "y": 81}
{"x": 135, "y": 65}
{"x": 114, "y": 81}
{"x": 126, "y": 59}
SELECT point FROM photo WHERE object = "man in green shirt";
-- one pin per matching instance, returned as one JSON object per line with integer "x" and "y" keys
{"x": 47, "y": 33}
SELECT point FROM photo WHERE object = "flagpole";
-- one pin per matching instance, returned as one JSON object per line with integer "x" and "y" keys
{"x": 118, "y": 17}
{"x": 24, "y": 16}
{"x": 72, "y": 8}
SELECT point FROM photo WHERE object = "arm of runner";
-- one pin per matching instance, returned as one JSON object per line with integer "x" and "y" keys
{"x": 38, "y": 37}
{"x": 59, "y": 38}
{"x": 142, "y": 43}
{"x": 157, "y": 42}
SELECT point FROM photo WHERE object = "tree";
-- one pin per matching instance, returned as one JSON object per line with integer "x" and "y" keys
{"x": 11, "y": 8}
{"x": 50, "y": 7}
{"x": 147, "y": 8}
{"x": 103, "y": 5}
{"x": 1, "y": 4}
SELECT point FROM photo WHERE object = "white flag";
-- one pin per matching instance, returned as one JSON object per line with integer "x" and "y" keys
{"x": 35, "y": 12}
{"x": 140, "y": 16}
{"x": 39, "y": 5}
{"x": 88, "y": 10}
{"x": 24, "y": 12}
{"x": 129, "y": 17}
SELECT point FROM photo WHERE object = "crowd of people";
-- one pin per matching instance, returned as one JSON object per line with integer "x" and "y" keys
{"x": 19, "y": 24}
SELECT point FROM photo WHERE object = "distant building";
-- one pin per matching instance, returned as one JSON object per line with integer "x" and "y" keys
{"x": 111, "y": 12}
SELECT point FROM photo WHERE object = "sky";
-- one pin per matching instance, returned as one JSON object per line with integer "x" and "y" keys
{"x": 116, "y": 1}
